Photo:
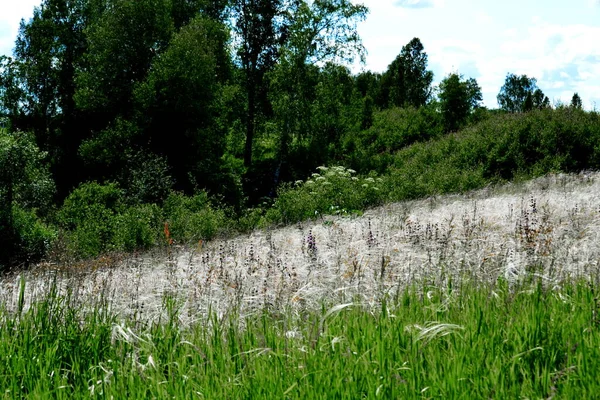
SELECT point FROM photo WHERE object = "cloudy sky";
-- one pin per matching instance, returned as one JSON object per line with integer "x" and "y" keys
{"x": 557, "y": 42}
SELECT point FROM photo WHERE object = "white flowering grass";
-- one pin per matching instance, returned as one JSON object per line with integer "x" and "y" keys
{"x": 491, "y": 294}
{"x": 547, "y": 228}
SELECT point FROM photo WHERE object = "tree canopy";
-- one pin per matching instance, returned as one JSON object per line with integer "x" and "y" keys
{"x": 458, "y": 98}
{"x": 407, "y": 82}
{"x": 521, "y": 94}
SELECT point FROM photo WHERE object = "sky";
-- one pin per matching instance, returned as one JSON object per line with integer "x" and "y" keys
{"x": 556, "y": 42}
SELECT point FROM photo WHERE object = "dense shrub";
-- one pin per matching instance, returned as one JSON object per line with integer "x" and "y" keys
{"x": 89, "y": 214}
{"x": 330, "y": 191}
{"x": 138, "y": 228}
{"x": 26, "y": 191}
{"x": 500, "y": 148}
{"x": 192, "y": 218}
{"x": 34, "y": 237}
{"x": 392, "y": 130}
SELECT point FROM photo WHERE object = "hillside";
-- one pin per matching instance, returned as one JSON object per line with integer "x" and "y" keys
{"x": 547, "y": 227}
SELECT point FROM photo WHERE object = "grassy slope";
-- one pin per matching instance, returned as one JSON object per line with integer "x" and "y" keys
{"x": 456, "y": 296}
{"x": 467, "y": 341}
{"x": 452, "y": 296}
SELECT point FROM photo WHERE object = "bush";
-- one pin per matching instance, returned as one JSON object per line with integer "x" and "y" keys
{"x": 96, "y": 220}
{"x": 33, "y": 237}
{"x": 331, "y": 191}
{"x": 392, "y": 130}
{"x": 89, "y": 215}
{"x": 26, "y": 191}
{"x": 138, "y": 228}
{"x": 193, "y": 218}
{"x": 500, "y": 148}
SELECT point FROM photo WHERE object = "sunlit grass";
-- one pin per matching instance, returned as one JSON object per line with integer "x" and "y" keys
{"x": 464, "y": 341}
{"x": 490, "y": 294}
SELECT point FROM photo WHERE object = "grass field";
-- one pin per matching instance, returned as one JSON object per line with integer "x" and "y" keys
{"x": 491, "y": 294}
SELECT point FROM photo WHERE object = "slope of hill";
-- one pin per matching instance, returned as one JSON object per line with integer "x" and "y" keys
{"x": 547, "y": 227}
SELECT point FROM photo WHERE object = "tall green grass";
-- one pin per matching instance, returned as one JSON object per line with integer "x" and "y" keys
{"x": 465, "y": 341}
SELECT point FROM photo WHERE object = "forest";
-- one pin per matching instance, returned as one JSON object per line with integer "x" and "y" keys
{"x": 127, "y": 124}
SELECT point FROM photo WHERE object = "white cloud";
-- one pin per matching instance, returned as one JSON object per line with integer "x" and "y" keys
{"x": 559, "y": 56}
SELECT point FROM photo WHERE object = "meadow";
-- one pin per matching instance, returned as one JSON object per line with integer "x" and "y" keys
{"x": 488, "y": 294}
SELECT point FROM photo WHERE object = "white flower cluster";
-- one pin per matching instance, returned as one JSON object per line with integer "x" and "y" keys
{"x": 327, "y": 173}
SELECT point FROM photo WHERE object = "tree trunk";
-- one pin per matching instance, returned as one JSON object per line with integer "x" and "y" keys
{"x": 250, "y": 127}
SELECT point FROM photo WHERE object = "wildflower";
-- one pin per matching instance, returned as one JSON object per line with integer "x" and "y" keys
{"x": 322, "y": 168}
{"x": 365, "y": 185}
{"x": 297, "y": 183}
{"x": 375, "y": 188}
{"x": 371, "y": 180}
{"x": 351, "y": 171}
{"x": 315, "y": 175}
{"x": 320, "y": 178}
{"x": 310, "y": 183}
{"x": 326, "y": 183}
{"x": 354, "y": 178}
{"x": 311, "y": 242}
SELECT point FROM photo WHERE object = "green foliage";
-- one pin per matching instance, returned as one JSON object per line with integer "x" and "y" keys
{"x": 34, "y": 238}
{"x": 146, "y": 178}
{"x": 48, "y": 50}
{"x": 182, "y": 96}
{"x": 392, "y": 130}
{"x": 123, "y": 40}
{"x": 501, "y": 147}
{"x": 299, "y": 35}
{"x": 137, "y": 227}
{"x": 26, "y": 191}
{"x": 89, "y": 214}
{"x": 576, "y": 101}
{"x": 331, "y": 191}
{"x": 407, "y": 82}
{"x": 191, "y": 219}
{"x": 96, "y": 219}
{"x": 458, "y": 99}
{"x": 476, "y": 341}
{"x": 521, "y": 94}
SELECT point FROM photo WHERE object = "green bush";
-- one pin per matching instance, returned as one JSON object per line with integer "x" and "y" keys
{"x": 26, "y": 191}
{"x": 33, "y": 237}
{"x": 500, "y": 148}
{"x": 96, "y": 220}
{"x": 89, "y": 214}
{"x": 331, "y": 191}
{"x": 392, "y": 130}
{"x": 138, "y": 228}
{"x": 193, "y": 218}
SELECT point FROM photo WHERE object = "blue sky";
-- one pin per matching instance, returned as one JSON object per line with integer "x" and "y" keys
{"x": 557, "y": 42}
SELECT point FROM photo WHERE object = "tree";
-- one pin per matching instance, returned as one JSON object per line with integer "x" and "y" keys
{"x": 303, "y": 32}
{"x": 407, "y": 82}
{"x": 310, "y": 89}
{"x": 576, "y": 102}
{"x": 39, "y": 81}
{"x": 458, "y": 98}
{"x": 184, "y": 95}
{"x": 258, "y": 32}
{"x": 521, "y": 94}
{"x": 123, "y": 42}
